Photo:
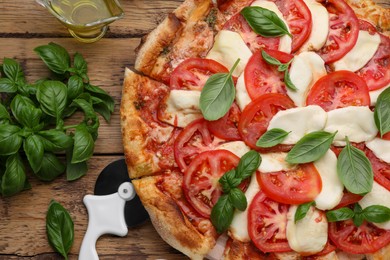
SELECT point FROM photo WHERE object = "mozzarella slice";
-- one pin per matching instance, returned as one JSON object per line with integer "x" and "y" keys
{"x": 182, "y": 107}
{"x": 381, "y": 148}
{"x": 285, "y": 40}
{"x": 375, "y": 94}
{"x": 320, "y": 26}
{"x": 239, "y": 148}
{"x": 308, "y": 235}
{"x": 378, "y": 196}
{"x": 332, "y": 188}
{"x": 306, "y": 68}
{"x": 364, "y": 49}
{"x": 355, "y": 122}
{"x": 242, "y": 96}
{"x": 299, "y": 121}
{"x": 228, "y": 48}
{"x": 274, "y": 162}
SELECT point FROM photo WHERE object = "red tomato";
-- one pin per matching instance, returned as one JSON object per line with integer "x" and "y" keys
{"x": 226, "y": 127}
{"x": 267, "y": 222}
{"x": 339, "y": 89}
{"x": 386, "y": 136}
{"x": 380, "y": 168}
{"x": 261, "y": 77}
{"x": 193, "y": 73}
{"x": 296, "y": 186}
{"x": 343, "y": 31}
{"x": 365, "y": 239}
{"x": 256, "y": 116}
{"x": 200, "y": 184}
{"x": 348, "y": 199}
{"x": 194, "y": 139}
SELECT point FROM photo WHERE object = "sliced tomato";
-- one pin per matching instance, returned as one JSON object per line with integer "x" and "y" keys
{"x": 200, "y": 184}
{"x": 193, "y": 73}
{"x": 365, "y": 239}
{"x": 348, "y": 199}
{"x": 256, "y": 116}
{"x": 380, "y": 168}
{"x": 267, "y": 222}
{"x": 298, "y": 17}
{"x": 296, "y": 186}
{"x": 339, "y": 89}
{"x": 261, "y": 77}
{"x": 226, "y": 127}
{"x": 343, "y": 31}
{"x": 194, "y": 139}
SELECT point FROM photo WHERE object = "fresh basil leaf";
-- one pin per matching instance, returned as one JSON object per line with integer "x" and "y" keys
{"x": 358, "y": 218}
{"x": 74, "y": 171}
{"x": 52, "y": 96}
{"x": 376, "y": 213}
{"x": 222, "y": 214}
{"x": 264, "y": 22}
{"x": 270, "y": 60}
{"x": 288, "y": 82}
{"x": 229, "y": 181}
{"x": 248, "y": 164}
{"x": 33, "y": 148}
{"x": 55, "y": 140}
{"x": 355, "y": 170}
{"x": 302, "y": 210}
{"x": 59, "y": 228}
{"x": 100, "y": 107}
{"x": 51, "y": 167}
{"x": 238, "y": 199}
{"x": 311, "y": 147}
{"x": 14, "y": 177}
{"x": 87, "y": 108}
{"x": 7, "y": 86}
{"x": 81, "y": 66}
{"x": 102, "y": 94}
{"x": 12, "y": 70}
{"x": 83, "y": 145}
{"x": 55, "y": 57}
{"x": 25, "y": 112}
{"x": 75, "y": 87}
{"x": 4, "y": 113}
{"x": 382, "y": 112}
{"x": 272, "y": 137}
{"x": 283, "y": 67}
{"x": 10, "y": 141}
{"x": 339, "y": 214}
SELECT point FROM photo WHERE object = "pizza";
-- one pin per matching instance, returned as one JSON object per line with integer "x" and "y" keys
{"x": 260, "y": 129}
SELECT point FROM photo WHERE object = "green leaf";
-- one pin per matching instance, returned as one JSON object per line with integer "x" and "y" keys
{"x": 12, "y": 70}
{"x": 52, "y": 95}
{"x": 288, "y": 82}
{"x": 87, "y": 108}
{"x": 355, "y": 170}
{"x": 4, "y": 113}
{"x": 358, "y": 218}
{"x": 272, "y": 137}
{"x": 25, "y": 112}
{"x": 95, "y": 91}
{"x": 55, "y": 140}
{"x": 10, "y": 141}
{"x": 382, "y": 112}
{"x": 302, "y": 210}
{"x": 14, "y": 177}
{"x": 248, "y": 164}
{"x": 376, "y": 213}
{"x": 339, "y": 214}
{"x": 222, "y": 214}
{"x": 55, "y": 57}
{"x": 59, "y": 228}
{"x": 100, "y": 107}
{"x": 74, "y": 171}
{"x": 311, "y": 147}
{"x": 229, "y": 181}
{"x": 83, "y": 145}
{"x": 264, "y": 22}
{"x": 33, "y": 148}
{"x": 270, "y": 60}
{"x": 7, "y": 86}
{"x": 80, "y": 65}
{"x": 75, "y": 86}
{"x": 238, "y": 199}
{"x": 51, "y": 167}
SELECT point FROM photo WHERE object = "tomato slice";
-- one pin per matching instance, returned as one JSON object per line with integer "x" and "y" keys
{"x": 348, "y": 199}
{"x": 296, "y": 186}
{"x": 343, "y": 31}
{"x": 365, "y": 239}
{"x": 380, "y": 168}
{"x": 194, "y": 139}
{"x": 193, "y": 73}
{"x": 339, "y": 89}
{"x": 226, "y": 127}
{"x": 200, "y": 184}
{"x": 261, "y": 77}
{"x": 267, "y": 222}
{"x": 256, "y": 116}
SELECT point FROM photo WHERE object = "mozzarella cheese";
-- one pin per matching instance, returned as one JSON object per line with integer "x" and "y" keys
{"x": 355, "y": 122}
{"x": 239, "y": 148}
{"x": 182, "y": 107}
{"x": 274, "y": 162}
{"x": 364, "y": 49}
{"x": 319, "y": 26}
{"x": 308, "y": 235}
{"x": 228, "y": 48}
{"x": 299, "y": 121}
{"x": 375, "y": 94}
{"x": 242, "y": 96}
{"x": 306, "y": 68}
{"x": 377, "y": 196}
{"x": 332, "y": 188}
{"x": 381, "y": 148}
{"x": 285, "y": 40}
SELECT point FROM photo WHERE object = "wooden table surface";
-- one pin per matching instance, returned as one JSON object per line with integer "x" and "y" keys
{"x": 25, "y": 25}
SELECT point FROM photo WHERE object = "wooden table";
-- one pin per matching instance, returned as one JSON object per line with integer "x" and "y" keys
{"x": 24, "y": 25}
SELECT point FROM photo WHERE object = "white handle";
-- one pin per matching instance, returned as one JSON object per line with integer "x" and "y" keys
{"x": 106, "y": 216}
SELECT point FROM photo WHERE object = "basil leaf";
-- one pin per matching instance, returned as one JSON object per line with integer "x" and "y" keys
{"x": 25, "y": 111}
{"x": 14, "y": 178}
{"x": 358, "y": 218}
{"x": 55, "y": 140}
{"x": 4, "y": 113}
{"x": 283, "y": 67}
{"x": 74, "y": 171}
{"x": 100, "y": 107}
{"x": 288, "y": 82}
{"x": 355, "y": 170}
{"x": 376, "y": 213}
{"x": 7, "y": 86}
{"x": 311, "y": 147}
{"x": 83, "y": 145}
{"x": 382, "y": 112}
{"x": 264, "y": 22}
{"x": 33, "y": 148}
{"x": 222, "y": 214}
{"x": 55, "y": 57}
{"x": 12, "y": 70}
{"x": 238, "y": 199}
{"x": 339, "y": 214}
{"x": 272, "y": 137}
{"x": 81, "y": 66}
{"x": 52, "y": 95}
{"x": 87, "y": 108}
{"x": 102, "y": 94}
{"x": 229, "y": 181}
{"x": 302, "y": 210}
{"x": 10, "y": 141}
{"x": 75, "y": 87}
{"x": 59, "y": 228}
{"x": 270, "y": 60}
{"x": 51, "y": 167}
{"x": 248, "y": 164}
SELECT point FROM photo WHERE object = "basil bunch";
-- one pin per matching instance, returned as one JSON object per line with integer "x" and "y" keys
{"x": 32, "y": 119}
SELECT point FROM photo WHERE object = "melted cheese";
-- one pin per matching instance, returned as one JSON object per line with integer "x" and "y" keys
{"x": 242, "y": 96}
{"x": 381, "y": 148}
{"x": 239, "y": 148}
{"x": 274, "y": 162}
{"x": 375, "y": 94}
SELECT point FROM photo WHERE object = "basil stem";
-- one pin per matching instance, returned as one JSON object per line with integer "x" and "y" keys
{"x": 272, "y": 137}
{"x": 382, "y": 112}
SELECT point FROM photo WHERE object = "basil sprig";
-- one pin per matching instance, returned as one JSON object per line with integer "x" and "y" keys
{"x": 302, "y": 210}
{"x": 59, "y": 228}
{"x": 264, "y": 22}
{"x": 355, "y": 170}
{"x": 223, "y": 211}
{"x": 272, "y": 137}
{"x": 382, "y": 112}
{"x": 217, "y": 95}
